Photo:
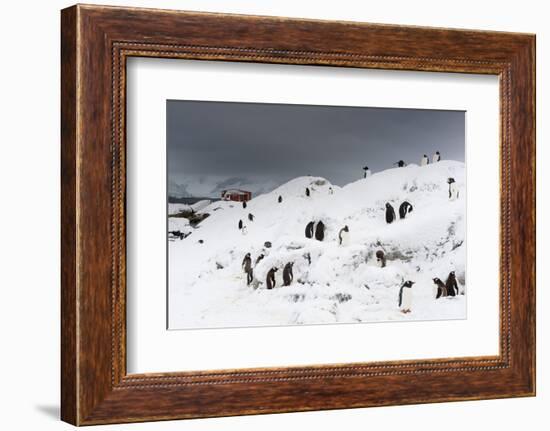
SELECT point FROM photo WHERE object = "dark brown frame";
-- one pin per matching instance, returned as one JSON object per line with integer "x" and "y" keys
{"x": 95, "y": 43}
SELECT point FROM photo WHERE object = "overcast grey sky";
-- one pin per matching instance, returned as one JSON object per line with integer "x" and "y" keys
{"x": 277, "y": 142}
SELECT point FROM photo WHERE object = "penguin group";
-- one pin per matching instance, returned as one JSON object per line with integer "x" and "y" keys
{"x": 449, "y": 288}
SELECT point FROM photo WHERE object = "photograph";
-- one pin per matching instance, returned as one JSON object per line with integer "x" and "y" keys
{"x": 284, "y": 214}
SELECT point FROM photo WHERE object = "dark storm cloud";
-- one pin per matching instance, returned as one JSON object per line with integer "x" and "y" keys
{"x": 278, "y": 142}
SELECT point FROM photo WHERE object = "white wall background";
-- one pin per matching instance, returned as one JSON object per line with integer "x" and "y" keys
{"x": 29, "y": 214}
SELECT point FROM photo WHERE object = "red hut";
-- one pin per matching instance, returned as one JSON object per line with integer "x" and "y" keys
{"x": 236, "y": 195}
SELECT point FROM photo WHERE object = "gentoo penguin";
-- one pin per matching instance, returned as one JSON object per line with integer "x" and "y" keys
{"x": 309, "y": 229}
{"x": 320, "y": 231}
{"x": 330, "y": 191}
{"x": 308, "y": 193}
{"x": 343, "y": 236}
{"x": 247, "y": 267}
{"x": 400, "y": 163}
{"x": 280, "y": 199}
{"x": 441, "y": 289}
{"x": 451, "y": 284}
{"x": 404, "y": 209}
{"x": 424, "y": 160}
{"x": 453, "y": 190}
{"x": 244, "y": 204}
{"x": 436, "y": 157}
{"x": 367, "y": 172}
{"x": 288, "y": 276}
{"x": 380, "y": 258}
{"x": 258, "y": 259}
{"x": 406, "y": 297}
{"x": 251, "y": 217}
{"x": 390, "y": 213}
{"x": 270, "y": 279}
{"x": 240, "y": 224}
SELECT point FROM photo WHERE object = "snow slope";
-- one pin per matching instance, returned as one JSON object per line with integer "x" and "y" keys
{"x": 207, "y": 287}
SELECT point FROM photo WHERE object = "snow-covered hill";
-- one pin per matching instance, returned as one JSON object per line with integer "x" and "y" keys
{"x": 207, "y": 286}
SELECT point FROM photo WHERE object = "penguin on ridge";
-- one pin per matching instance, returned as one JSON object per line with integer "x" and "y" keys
{"x": 436, "y": 157}
{"x": 366, "y": 172}
{"x": 424, "y": 161}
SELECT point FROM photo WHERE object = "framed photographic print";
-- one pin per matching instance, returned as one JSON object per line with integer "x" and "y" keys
{"x": 269, "y": 215}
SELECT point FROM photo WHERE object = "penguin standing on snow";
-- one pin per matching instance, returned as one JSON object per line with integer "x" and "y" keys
{"x": 380, "y": 258}
{"x": 270, "y": 279}
{"x": 400, "y": 163}
{"x": 441, "y": 288}
{"x": 343, "y": 235}
{"x": 308, "y": 193}
{"x": 251, "y": 217}
{"x": 451, "y": 284}
{"x": 404, "y": 209}
{"x": 280, "y": 199}
{"x": 309, "y": 229}
{"x": 436, "y": 157}
{"x": 288, "y": 276}
{"x": 247, "y": 267}
{"x": 366, "y": 171}
{"x": 330, "y": 191}
{"x": 406, "y": 297}
{"x": 244, "y": 204}
{"x": 390, "y": 213}
{"x": 453, "y": 190}
{"x": 258, "y": 259}
{"x": 424, "y": 160}
{"x": 320, "y": 231}
{"x": 240, "y": 224}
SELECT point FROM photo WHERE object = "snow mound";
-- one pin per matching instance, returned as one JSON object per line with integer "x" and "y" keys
{"x": 332, "y": 283}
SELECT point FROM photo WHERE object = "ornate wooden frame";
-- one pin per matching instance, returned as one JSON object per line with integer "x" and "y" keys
{"x": 95, "y": 43}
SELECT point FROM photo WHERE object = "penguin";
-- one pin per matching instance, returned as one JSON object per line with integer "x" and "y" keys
{"x": 244, "y": 204}
{"x": 240, "y": 224}
{"x": 270, "y": 279}
{"x": 320, "y": 231}
{"x": 250, "y": 216}
{"x": 343, "y": 236}
{"x": 404, "y": 209}
{"x": 451, "y": 284}
{"x": 330, "y": 191}
{"x": 400, "y": 163}
{"x": 258, "y": 259}
{"x": 424, "y": 160}
{"x": 280, "y": 199}
{"x": 366, "y": 172}
{"x": 308, "y": 193}
{"x": 247, "y": 267}
{"x": 441, "y": 288}
{"x": 307, "y": 257}
{"x": 244, "y": 230}
{"x": 406, "y": 297}
{"x": 309, "y": 229}
{"x": 288, "y": 276}
{"x": 381, "y": 258}
{"x": 453, "y": 191}
{"x": 390, "y": 213}
{"x": 436, "y": 157}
